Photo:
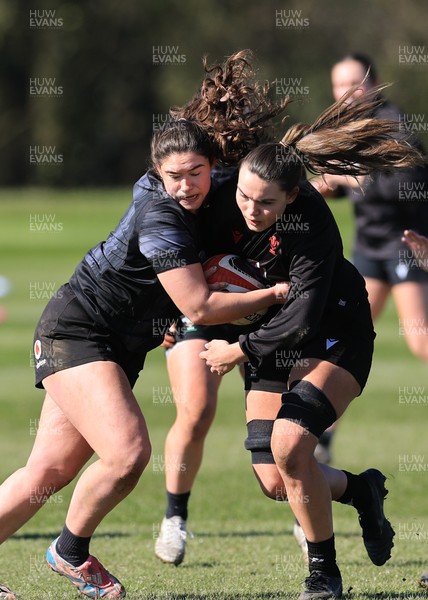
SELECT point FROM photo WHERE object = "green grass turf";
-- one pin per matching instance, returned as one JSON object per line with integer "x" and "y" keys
{"x": 243, "y": 547}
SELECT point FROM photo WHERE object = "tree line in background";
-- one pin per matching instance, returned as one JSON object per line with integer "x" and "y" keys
{"x": 83, "y": 85}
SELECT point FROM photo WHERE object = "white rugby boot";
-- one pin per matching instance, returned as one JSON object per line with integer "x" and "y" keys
{"x": 170, "y": 546}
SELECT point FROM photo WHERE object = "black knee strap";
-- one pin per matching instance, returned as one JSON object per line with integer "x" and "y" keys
{"x": 258, "y": 441}
{"x": 307, "y": 406}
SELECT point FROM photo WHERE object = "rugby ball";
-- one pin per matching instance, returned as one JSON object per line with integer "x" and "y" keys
{"x": 241, "y": 275}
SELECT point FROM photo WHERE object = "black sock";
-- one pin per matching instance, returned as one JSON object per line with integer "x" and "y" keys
{"x": 357, "y": 492}
{"x": 177, "y": 505}
{"x": 72, "y": 548}
{"x": 322, "y": 557}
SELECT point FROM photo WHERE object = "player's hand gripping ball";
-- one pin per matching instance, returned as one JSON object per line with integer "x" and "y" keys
{"x": 240, "y": 275}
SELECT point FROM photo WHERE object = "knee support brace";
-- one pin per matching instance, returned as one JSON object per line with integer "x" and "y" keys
{"x": 307, "y": 406}
{"x": 258, "y": 441}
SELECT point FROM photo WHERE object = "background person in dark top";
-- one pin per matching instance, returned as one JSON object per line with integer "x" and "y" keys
{"x": 384, "y": 206}
{"x": 93, "y": 336}
{"x": 317, "y": 348}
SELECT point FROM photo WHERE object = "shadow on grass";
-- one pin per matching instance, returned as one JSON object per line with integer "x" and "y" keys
{"x": 388, "y": 596}
{"x": 253, "y": 533}
{"x": 348, "y": 595}
{"x": 243, "y": 596}
{"x": 418, "y": 563}
{"x": 217, "y": 596}
{"x": 200, "y": 565}
{"x": 52, "y": 536}
{"x": 239, "y": 534}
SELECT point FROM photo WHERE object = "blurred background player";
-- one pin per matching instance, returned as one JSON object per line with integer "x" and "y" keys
{"x": 384, "y": 205}
{"x": 382, "y": 211}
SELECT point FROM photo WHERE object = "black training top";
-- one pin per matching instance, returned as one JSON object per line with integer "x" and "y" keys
{"x": 390, "y": 202}
{"x": 304, "y": 247}
{"x": 116, "y": 281}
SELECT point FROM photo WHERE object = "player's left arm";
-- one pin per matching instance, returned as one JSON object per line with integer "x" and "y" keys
{"x": 294, "y": 323}
{"x": 221, "y": 356}
{"x": 311, "y": 275}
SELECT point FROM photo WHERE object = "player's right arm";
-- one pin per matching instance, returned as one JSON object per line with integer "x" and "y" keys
{"x": 167, "y": 240}
{"x": 187, "y": 288}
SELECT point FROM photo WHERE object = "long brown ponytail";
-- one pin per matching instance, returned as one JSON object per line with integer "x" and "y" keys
{"x": 344, "y": 140}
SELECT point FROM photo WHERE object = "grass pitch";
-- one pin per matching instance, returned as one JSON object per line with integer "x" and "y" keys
{"x": 242, "y": 546}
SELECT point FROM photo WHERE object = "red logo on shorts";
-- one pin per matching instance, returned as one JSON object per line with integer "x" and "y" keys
{"x": 37, "y": 349}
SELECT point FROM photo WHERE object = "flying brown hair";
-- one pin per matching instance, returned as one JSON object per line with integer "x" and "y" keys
{"x": 233, "y": 107}
{"x": 347, "y": 140}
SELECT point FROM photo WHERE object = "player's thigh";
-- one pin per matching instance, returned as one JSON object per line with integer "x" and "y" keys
{"x": 337, "y": 384}
{"x": 59, "y": 450}
{"x": 378, "y": 292}
{"x": 411, "y": 301}
{"x": 262, "y": 405}
{"x": 377, "y": 278}
{"x": 98, "y": 401}
{"x": 194, "y": 387}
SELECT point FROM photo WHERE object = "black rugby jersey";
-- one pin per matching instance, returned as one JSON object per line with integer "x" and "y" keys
{"x": 388, "y": 203}
{"x": 116, "y": 281}
{"x": 304, "y": 247}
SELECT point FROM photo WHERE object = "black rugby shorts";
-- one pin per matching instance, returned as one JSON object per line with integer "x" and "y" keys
{"x": 350, "y": 347}
{"x": 67, "y": 337}
{"x": 392, "y": 271}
